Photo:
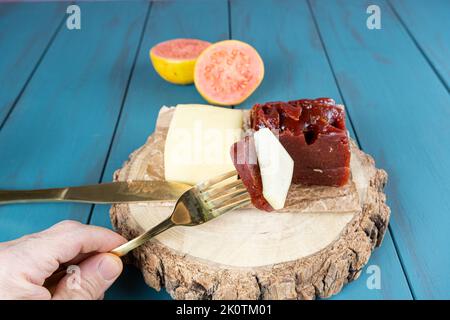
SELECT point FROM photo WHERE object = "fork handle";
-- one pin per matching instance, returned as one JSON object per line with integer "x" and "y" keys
{"x": 136, "y": 242}
{"x": 120, "y": 251}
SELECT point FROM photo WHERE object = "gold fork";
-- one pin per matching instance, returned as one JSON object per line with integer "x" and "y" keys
{"x": 201, "y": 203}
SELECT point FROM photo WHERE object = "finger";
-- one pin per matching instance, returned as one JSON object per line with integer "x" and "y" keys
{"x": 41, "y": 254}
{"x": 94, "y": 277}
{"x": 81, "y": 239}
{"x": 80, "y": 257}
{"x": 13, "y": 287}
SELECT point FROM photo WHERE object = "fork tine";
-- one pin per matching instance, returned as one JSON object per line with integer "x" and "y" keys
{"x": 208, "y": 183}
{"x": 227, "y": 197}
{"x": 231, "y": 200}
{"x": 213, "y": 191}
{"x": 230, "y": 207}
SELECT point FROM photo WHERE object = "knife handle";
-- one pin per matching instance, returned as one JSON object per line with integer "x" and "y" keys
{"x": 40, "y": 195}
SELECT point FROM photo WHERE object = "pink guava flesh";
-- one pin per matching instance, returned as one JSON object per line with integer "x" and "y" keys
{"x": 180, "y": 49}
{"x": 228, "y": 72}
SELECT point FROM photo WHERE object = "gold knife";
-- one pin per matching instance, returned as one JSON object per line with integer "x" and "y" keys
{"x": 114, "y": 192}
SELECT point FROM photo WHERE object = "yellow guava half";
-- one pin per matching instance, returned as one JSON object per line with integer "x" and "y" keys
{"x": 174, "y": 60}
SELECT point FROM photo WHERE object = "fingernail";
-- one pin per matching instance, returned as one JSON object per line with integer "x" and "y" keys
{"x": 110, "y": 267}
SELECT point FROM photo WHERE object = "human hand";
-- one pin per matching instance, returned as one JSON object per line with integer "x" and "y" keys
{"x": 27, "y": 262}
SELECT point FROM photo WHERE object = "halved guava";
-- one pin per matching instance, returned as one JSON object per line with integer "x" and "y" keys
{"x": 174, "y": 60}
{"x": 228, "y": 72}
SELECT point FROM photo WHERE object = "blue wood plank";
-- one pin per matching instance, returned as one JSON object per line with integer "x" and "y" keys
{"x": 296, "y": 67}
{"x": 399, "y": 108}
{"x": 428, "y": 22}
{"x": 131, "y": 286}
{"x": 295, "y": 63}
{"x": 25, "y": 32}
{"x": 60, "y": 131}
{"x": 285, "y": 37}
{"x": 385, "y": 262}
{"x": 208, "y": 20}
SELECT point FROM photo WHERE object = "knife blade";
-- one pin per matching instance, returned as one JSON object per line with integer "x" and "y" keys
{"x": 114, "y": 192}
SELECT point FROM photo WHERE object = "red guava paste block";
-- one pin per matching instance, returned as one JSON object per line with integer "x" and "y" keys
{"x": 243, "y": 154}
{"x": 313, "y": 132}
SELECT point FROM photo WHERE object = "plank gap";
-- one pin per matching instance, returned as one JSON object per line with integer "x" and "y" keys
{"x": 322, "y": 43}
{"x": 397, "y": 251}
{"x": 33, "y": 71}
{"x": 122, "y": 104}
{"x": 402, "y": 264}
{"x": 418, "y": 46}
{"x": 230, "y": 34}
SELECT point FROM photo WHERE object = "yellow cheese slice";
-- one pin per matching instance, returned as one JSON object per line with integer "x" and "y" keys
{"x": 198, "y": 142}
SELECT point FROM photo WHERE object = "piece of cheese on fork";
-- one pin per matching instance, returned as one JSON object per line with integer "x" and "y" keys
{"x": 276, "y": 167}
{"x": 198, "y": 142}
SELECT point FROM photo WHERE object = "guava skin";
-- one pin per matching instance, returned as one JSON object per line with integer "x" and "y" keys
{"x": 174, "y": 60}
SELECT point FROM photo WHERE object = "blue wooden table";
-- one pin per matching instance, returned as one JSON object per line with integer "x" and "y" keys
{"x": 75, "y": 103}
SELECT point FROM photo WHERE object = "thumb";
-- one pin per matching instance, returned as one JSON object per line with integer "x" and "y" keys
{"x": 90, "y": 279}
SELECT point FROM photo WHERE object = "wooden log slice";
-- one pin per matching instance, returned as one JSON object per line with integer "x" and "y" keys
{"x": 318, "y": 243}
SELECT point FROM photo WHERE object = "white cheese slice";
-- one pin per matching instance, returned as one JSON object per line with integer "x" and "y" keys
{"x": 276, "y": 166}
{"x": 198, "y": 142}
